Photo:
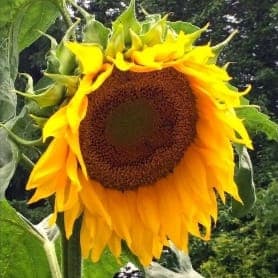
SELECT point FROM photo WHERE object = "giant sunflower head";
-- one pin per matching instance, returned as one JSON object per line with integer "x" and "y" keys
{"x": 140, "y": 149}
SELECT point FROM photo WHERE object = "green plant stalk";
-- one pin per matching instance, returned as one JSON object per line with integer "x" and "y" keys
{"x": 71, "y": 252}
{"x": 49, "y": 248}
{"x": 26, "y": 161}
{"x": 64, "y": 12}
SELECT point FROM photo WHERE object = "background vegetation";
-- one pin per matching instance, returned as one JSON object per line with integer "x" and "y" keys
{"x": 246, "y": 247}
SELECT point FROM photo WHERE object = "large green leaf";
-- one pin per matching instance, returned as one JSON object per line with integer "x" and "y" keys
{"x": 106, "y": 267}
{"x": 8, "y": 162}
{"x": 28, "y": 16}
{"x": 245, "y": 183}
{"x": 8, "y": 69}
{"x": 20, "y": 21}
{"x": 22, "y": 253}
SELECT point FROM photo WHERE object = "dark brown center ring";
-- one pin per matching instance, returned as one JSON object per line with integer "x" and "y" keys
{"x": 137, "y": 127}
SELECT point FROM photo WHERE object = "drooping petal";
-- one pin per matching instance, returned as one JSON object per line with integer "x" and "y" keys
{"x": 91, "y": 199}
{"x": 46, "y": 166}
{"x": 70, "y": 216}
{"x": 115, "y": 245}
{"x": 147, "y": 208}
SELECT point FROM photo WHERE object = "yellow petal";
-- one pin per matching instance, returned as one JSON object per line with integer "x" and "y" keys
{"x": 44, "y": 191}
{"x": 115, "y": 245}
{"x": 169, "y": 205}
{"x": 89, "y": 56}
{"x": 70, "y": 216}
{"x": 71, "y": 168}
{"x": 85, "y": 236}
{"x": 62, "y": 182}
{"x": 120, "y": 62}
{"x": 102, "y": 77}
{"x": 199, "y": 55}
{"x": 71, "y": 196}
{"x": 73, "y": 142}
{"x": 91, "y": 199}
{"x": 142, "y": 244}
{"x": 56, "y": 124}
{"x": 76, "y": 110}
{"x": 102, "y": 236}
{"x": 120, "y": 215}
{"x": 47, "y": 166}
{"x": 147, "y": 208}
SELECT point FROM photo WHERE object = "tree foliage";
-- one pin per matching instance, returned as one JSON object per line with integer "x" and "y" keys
{"x": 246, "y": 247}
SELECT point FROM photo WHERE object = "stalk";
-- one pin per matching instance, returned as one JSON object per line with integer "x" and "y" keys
{"x": 71, "y": 252}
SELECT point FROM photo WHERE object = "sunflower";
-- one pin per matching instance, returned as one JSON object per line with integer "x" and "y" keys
{"x": 140, "y": 149}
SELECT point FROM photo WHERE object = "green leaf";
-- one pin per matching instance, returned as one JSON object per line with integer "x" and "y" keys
{"x": 19, "y": 22}
{"x": 245, "y": 183}
{"x": 8, "y": 161}
{"x": 28, "y": 17}
{"x": 257, "y": 121}
{"x": 185, "y": 27}
{"x": 22, "y": 253}
{"x": 38, "y": 15}
{"x": 108, "y": 265}
{"x": 8, "y": 71}
{"x": 7, "y": 101}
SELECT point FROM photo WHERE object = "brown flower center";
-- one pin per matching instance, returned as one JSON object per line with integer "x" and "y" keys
{"x": 137, "y": 127}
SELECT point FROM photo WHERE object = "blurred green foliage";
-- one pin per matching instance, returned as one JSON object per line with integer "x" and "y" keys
{"x": 34, "y": 214}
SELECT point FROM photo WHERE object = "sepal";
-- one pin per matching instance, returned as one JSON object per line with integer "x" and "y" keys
{"x": 217, "y": 49}
{"x": 128, "y": 21}
{"x": 29, "y": 87}
{"x": 156, "y": 33}
{"x": 117, "y": 41}
{"x": 69, "y": 81}
{"x": 181, "y": 26}
{"x": 60, "y": 60}
{"x": 49, "y": 96}
{"x": 150, "y": 20}
{"x": 40, "y": 121}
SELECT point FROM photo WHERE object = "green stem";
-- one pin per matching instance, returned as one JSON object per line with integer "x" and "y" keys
{"x": 71, "y": 252}
{"x": 26, "y": 162}
{"x": 65, "y": 15}
{"x": 50, "y": 252}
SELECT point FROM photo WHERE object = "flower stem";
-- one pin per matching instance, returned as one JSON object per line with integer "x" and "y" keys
{"x": 49, "y": 248}
{"x": 71, "y": 252}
